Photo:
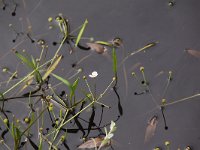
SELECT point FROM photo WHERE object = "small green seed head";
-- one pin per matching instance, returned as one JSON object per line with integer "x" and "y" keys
{"x": 171, "y": 3}
{"x": 50, "y": 19}
{"x": 41, "y": 129}
{"x": 50, "y": 27}
{"x": 163, "y": 101}
{"x": 157, "y": 148}
{"x": 57, "y": 122}
{"x": 91, "y": 39}
{"x": 84, "y": 77}
{"x": 50, "y": 107}
{"x": 5, "y": 69}
{"x": 188, "y": 148}
{"x": 1, "y": 141}
{"x": 5, "y": 121}
{"x": 142, "y": 69}
{"x": 48, "y": 97}
{"x": 167, "y": 143}
{"x": 41, "y": 42}
{"x": 133, "y": 73}
{"x": 80, "y": 70}
{"x": 27, "y": 120}
{"x": 58, "y": 18}
{"x": 89, "y": 95}
{"x": 50, "y": 104}
{"x": 62, "y": 138}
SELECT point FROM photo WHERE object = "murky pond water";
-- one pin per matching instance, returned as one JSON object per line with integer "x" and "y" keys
{"x": 156, "y": 98}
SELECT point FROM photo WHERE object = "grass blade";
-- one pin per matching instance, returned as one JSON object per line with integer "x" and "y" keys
{"x": 25, "y": 60}
{"x": 81, "y": 32}
{"x": 31, "y": 64}
{"x": 66, "y": 82}
{"x": 74, "y": 86}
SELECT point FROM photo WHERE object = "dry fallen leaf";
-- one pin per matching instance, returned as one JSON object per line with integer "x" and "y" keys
{"x": 151, "y": 127}
{"x": 92, "y": 143}
{"x": 100, "y": 49}
{"x": 194, "y": 53}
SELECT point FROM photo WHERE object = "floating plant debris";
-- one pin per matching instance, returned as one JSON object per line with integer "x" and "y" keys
{"x": 93, "y": 75}
{"x": 91, "y": 143}
{"x": 193, "y": 53}
{"x": 151, "y": 127}
{"x": 54, "y": 113}
{"x": 100, "y": 49}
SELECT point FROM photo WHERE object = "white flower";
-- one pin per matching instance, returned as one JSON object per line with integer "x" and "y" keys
{"x": 93, "y": 75}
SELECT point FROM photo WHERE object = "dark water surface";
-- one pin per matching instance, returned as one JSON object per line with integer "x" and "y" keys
{"x": 137, "y": 22}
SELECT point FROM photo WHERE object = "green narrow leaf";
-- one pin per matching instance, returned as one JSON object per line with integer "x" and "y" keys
{"x": 18, "y": 134}
{"x": 114, "y": 58}
{"x": 104, "y": 43}
{"x": 40, "y": 144}
{"x": 81, "y": 32}
{"x": 75, "y": 84}
{"x": 31, "y": 64}
{"x": 25, "y": 60}
{"x": 52, "y": 68}
{"x": 38, "y": 76}
{"x": 66, "y": 82}
{"x": 13, "y": 130}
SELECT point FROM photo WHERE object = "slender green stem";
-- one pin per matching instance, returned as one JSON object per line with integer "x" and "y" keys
{"x": 183, "y": 99}
{"x": 30, "y": 125}
{"x": 26, "y": 77}
{"x": 86, "y": 107}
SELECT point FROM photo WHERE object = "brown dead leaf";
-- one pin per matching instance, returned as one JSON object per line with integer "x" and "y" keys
{"x": 194, "y": 53}
{"x": 151, "y": 127}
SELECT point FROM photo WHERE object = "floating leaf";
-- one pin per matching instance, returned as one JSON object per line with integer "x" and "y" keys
{"x": 81, "y": 32}
{"x": 91, "y": 143}
{"x": 194, "y": 53}
{"x": 151, "y": 127}
{"x": 100, "y": 49}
